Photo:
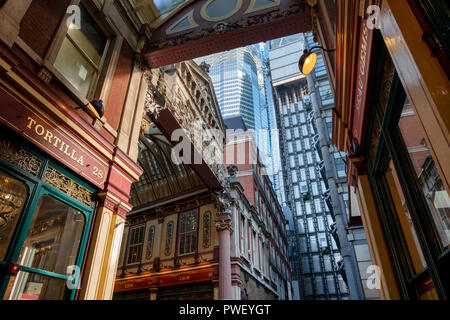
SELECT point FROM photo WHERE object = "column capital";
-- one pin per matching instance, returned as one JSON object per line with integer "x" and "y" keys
{"x": 224, "y": 223}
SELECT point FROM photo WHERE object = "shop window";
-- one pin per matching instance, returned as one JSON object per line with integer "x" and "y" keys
{"x": 188, "y": 232}
{"x": 428, "y": 176}
{"x": 45, "y": 217}
{"x": 81, "y": 54}
{"x": 51, "y": 245}
{"x": 198, "y": 291}
{"x": 135, "y": 244}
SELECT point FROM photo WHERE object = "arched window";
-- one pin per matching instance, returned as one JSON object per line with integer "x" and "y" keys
{"x": 151, "y": 237}
{"x": 169, "y": 236}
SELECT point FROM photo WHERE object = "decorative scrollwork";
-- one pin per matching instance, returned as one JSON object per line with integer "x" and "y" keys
{"x": 60, "y": 181}
{"x": 19, "y": 157}
{"x": 169, "y": 236}
{"x": 154, "y": 101}
{"x": 151, "y": 237}
{"x": 206, "y": 229}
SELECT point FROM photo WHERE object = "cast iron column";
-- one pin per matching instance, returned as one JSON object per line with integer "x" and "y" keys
{"x": 224, "y": 226}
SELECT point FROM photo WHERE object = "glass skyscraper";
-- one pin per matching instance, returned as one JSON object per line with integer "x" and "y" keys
{"x": 242, "y": 83}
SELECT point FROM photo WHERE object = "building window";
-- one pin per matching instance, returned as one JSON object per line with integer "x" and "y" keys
{"x": 298, "y": 206}
{"x": 288, "y": 134}
{"x": 312, "y": 173}
{"x": 305, "y": 130}
{"x": 290, "y": 147}
{"x": 322, "y": 240}
{"x": 292, "y": 159}
{"x": 307, "y": 144}
{"x": 169, "y": 236}
{"x": 296, "y": 192}
{"x": 315, "y": 189}
{"x": 310, "y": 225}
{"x": 309, "y": 157}
{"x": 188, "y": 232}
{"x": 135, "y": 244}
{"x": 299, "y": 145}
{"x": 151, "y": 237}
{"x": 320, "y": 223}
{"x": 301, "y": 226}
{"x": 313, "y": 242}
{"x": 303, "y": 174}
{"x": 206, "y": 229}
{"x": 294, "y": 176}
{"x": 316, "y": 263}
{"x": 331, "y": 285}
{"x": 82, "y": 53}
{"x": 326, "y": 95}
{"x": 300, "y": 160}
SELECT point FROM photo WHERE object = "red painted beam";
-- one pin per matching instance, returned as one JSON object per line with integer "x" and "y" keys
{"x": 293, "y": 24}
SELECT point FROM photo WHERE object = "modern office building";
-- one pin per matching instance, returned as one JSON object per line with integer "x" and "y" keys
{"x": 324, "y": 261}
{"x": 237, "y": 79}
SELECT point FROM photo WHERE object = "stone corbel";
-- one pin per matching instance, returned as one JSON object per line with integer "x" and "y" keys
{"x": 224, "y": 203}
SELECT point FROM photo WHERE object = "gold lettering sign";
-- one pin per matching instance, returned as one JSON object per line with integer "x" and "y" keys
{"x": 53, "y": 137}
{"x": 55, "y": 141}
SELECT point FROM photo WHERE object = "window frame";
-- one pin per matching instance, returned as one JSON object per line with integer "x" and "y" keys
{"x": 99, "y": 90}
{"x": 129, "y": 245}
{"x": 180, "y": 235}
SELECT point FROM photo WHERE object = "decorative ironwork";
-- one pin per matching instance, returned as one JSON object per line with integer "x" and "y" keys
{"x": 13, "y": 195}
{"x": 386, "y": 82}
{"x": 224, "y": 27}
{"x": 151, "y": 237}
{"x": 206, "y": 229}
{"x": 169, "y": 236}
{"x": 20, "y": 157}
{"x": 60, "y": 181}
{"x": 375, "y": 138}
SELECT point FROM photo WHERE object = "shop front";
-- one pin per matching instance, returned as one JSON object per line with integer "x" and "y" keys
{"x": 46, "y": 214}
{"x": 392, "y": 119}
{"x": 53, "y": 206}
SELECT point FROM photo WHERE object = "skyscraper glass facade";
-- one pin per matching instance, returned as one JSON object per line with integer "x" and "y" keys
{"x": 242, "y": 83}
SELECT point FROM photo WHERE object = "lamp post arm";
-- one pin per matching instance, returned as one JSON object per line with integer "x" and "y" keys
{"x": 319, "y": 47}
